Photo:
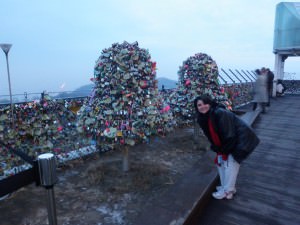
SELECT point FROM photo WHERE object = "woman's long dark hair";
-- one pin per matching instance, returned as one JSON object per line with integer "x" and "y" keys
{"x": 206, "y": 99}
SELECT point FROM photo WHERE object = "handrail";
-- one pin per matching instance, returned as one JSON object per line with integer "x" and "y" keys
{"x": 19, "y": 180}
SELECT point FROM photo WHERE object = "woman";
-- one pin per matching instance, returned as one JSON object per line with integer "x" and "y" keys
{"x": 231, "y": 138}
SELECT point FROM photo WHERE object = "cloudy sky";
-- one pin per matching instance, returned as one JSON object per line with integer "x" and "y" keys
{"x": 56, "y": 43}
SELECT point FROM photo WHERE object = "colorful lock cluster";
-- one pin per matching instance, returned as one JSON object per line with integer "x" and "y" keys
{"x": 198, "y": 75}
{"x": 124, "y": 108}
{"x": 39, "y": 126}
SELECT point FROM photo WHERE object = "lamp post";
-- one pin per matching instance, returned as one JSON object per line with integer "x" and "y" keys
{"x": 6, "y": 48}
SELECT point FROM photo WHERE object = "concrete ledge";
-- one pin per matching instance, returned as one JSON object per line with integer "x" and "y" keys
{"x": 250, "y": 117}
{"x": 203, "y": 200}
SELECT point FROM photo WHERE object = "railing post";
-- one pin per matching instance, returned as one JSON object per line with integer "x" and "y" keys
{"x": 228, "y": 76}
{"x": 47, "y": 171}
{"x": 222, "y": 79}
{"x": 235, "y": 76}
{"x": 241, "y": 75}
{"x": 248, "y": 76}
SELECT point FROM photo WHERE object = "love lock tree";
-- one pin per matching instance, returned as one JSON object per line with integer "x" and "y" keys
{"x": 124, "y": 108}
{"x": 198, "y": 75}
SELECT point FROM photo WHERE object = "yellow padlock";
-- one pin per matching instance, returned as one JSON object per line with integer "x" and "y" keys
{"x": 119, "y": 133}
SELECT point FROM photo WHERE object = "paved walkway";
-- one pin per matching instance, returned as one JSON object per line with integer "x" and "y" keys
{"x": 269, "y": 180}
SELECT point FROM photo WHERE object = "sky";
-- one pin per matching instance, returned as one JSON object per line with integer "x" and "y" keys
{"x": 56, "y": 43}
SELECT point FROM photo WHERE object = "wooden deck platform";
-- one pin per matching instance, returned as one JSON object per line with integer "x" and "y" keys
{"x": 268, "y": 186}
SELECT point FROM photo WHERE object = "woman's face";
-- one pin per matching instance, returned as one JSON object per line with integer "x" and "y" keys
{"x": 202, "y": 108}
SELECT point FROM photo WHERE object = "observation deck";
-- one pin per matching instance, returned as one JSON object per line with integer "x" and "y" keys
{"x": 267, "y": 186}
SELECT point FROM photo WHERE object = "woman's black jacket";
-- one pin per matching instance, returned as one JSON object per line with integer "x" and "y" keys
{"x": 236, "y": 137}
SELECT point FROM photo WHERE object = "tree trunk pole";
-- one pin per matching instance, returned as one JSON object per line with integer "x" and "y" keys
{"x": 125, "y": 159}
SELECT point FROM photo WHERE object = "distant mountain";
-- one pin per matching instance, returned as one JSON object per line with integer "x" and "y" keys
{"x": 168, "y": 83}
{"x": 87, "y": 89}
{"x": 79, "y": 92}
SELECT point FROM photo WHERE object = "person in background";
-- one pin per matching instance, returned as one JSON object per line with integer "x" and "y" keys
{"x": 280, "y": 88}
{"x": 261, "y": 90}
{"x": 270, "y": 79}
{"x": 230, "y": 137}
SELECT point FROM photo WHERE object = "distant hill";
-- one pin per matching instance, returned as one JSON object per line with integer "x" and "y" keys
{"x": 79, "y": 92}
{"x": 87, "y": 89}
{"x": 168, "y": 83}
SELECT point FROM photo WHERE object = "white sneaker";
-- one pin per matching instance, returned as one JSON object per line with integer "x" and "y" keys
{"x": 219, "y": 188}
{"x": 222, "y": 194}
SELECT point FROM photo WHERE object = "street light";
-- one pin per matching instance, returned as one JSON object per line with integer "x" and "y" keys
{"x": 6, "y": 48}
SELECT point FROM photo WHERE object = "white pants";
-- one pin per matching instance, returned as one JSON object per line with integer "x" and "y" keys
{"x": 228, "y": 171}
